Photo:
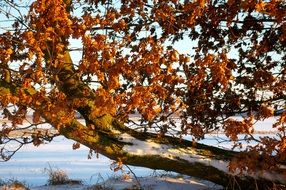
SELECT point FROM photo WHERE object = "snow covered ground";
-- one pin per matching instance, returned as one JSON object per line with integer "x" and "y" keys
{"x": 30, "y": 165}
{"x": 146, "y": 183}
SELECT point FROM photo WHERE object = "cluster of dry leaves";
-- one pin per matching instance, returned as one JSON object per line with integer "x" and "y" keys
{"x": 129, "y": 64}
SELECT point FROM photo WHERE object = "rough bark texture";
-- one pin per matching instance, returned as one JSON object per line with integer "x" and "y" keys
{"x": 103, "y": 132}
{"x": 106, "y": 135}
{"x": 112, "y": 147}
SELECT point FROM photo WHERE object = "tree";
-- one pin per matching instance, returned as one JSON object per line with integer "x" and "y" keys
{"x": 132, "y": 61}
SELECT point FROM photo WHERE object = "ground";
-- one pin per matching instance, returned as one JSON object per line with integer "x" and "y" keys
{"x": 145, "y": 183}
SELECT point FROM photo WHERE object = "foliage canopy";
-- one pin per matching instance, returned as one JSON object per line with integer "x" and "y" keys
{"x": 198, "y": 62}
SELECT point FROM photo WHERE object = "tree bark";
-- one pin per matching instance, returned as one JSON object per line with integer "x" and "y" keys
{"x": 168, "y": 153}
{"x": 108, "y": 136}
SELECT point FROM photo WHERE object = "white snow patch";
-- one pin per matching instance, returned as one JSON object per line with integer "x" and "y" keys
{"x": 60, "y": 187}
{"x": 151, "y": 182}
{"x": 164, "y": 183}
{"x": 149, "y": 147}
{"x": 143, "y": 148}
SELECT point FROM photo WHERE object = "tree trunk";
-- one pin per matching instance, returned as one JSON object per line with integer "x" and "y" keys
{"x": 168, "y": 153}
{"x": 108, "y": 136}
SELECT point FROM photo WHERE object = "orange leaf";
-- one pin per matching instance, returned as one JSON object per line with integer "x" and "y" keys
{"x": 36, "y": 117}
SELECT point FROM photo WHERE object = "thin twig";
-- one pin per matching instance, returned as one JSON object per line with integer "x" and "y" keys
{"x": 137, "y": 180}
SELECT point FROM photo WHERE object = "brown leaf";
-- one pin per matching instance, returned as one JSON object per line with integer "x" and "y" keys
{"x": 76, "y": 146}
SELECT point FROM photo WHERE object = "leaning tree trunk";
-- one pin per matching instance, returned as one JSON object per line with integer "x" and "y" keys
{"x": 168, "y": 153}
{"x": 106, "y": 135}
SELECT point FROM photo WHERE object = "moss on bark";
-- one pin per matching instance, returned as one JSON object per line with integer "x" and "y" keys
{"x": 102, "y": 138}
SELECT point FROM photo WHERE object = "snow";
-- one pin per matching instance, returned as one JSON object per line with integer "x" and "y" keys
{"x": 139, "y": 147}
{"x": 60, "y": 187}
{"x": 28, "y": 165}
{"x": 147, "y": 183}
{"x": 263, "y": 126}
{"x": 163, "y": 183}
